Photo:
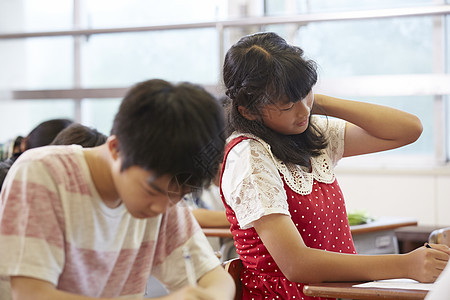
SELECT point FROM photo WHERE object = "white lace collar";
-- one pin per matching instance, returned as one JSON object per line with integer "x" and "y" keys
{"x": 296, "y": 177}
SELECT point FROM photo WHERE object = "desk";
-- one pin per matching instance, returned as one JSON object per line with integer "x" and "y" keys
{"x": 346, "y": 290}
{"x": 379, "y": 236}
{"x": 412, "y": 237}
{"x": 217, "y": 232}
{"x": 381, "y": 224}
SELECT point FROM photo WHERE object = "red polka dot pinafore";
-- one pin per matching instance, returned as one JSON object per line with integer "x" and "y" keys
{"x": 321, "y": 219}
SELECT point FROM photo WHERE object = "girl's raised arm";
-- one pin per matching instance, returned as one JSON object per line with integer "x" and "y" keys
{"x": 370, "y": 127}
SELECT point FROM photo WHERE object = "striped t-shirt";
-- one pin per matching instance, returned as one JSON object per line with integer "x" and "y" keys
{"x": 55, "y": 227}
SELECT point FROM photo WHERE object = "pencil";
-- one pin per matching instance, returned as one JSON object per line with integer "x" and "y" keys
{"x": 190, "y": 271}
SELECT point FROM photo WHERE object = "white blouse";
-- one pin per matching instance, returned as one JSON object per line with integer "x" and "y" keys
{"x": 251, "y": 182}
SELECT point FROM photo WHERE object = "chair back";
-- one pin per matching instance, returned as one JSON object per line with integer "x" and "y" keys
{"x": 234, "y": 267}
{"x": 440, "y": 236}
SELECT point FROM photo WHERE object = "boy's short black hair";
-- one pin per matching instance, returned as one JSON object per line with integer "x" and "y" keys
{"x": 171, "y": 129}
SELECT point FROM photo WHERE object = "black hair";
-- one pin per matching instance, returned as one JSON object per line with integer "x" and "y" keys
{"x": 171, "y": 129}
{"x": 5, "y": 165}
{"x": 262, "y": 69}
{"x": 17, "y": 143}
{"x": 45, "y": 132}
{"x": 81, "y": 135}
{"x": 42, "y": 135}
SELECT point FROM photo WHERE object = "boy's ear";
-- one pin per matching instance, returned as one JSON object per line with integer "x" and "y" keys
{"x": 246, "y": 114}
{"x": 113, "y": 146}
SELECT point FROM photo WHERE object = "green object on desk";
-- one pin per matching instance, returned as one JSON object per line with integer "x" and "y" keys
{"x": 358, "y": 218}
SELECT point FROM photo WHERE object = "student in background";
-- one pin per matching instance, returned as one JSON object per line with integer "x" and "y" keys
{"x": 42, "y": 135}
{"x": 75, "y": 133}
{"x": 207, "y": 206}
{"x": 79, "y": 134}
{"x": 101, "y": 220}
{"x": 209, "y": 211}
{"x": 205, "y": 209}
{"x": 10, "y": 147}
{"x": 4, "y": 169}
{"x": 284, "y": 204}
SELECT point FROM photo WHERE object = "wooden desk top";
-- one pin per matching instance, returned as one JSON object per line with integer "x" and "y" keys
{"x": 217, "y": 232}
{"x": 385, "y": 223}
{"x": 346, "y": 290}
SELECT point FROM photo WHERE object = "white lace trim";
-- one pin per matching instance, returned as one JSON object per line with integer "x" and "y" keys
{"x": 296, "y": 177}
{"x": 256, "y": 198}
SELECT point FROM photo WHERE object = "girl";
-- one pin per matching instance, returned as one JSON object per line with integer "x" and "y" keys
{"x": 284, "y": 204}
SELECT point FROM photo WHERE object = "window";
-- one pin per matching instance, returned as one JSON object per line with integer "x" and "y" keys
{"x": 175, "y": 55}
{"x": 77, "y": 59}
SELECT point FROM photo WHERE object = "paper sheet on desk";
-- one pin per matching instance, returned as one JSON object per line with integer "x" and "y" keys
{"x": 405, "y": 283}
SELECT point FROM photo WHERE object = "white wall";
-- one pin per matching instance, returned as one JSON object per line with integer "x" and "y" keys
{"x": 422, "y": 195}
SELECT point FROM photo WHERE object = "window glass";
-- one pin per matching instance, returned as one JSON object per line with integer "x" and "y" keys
{"x": 48, "y": 14}
{"x": 35, "y": 15}
{"x": 395, "y": 46}
{"x": 23, "y": 115}
{"x": 447, "y": 43}
{"x": 127, "y": 58}
{"x": 37, "y": 63}
{"x": 415, "y": 155}
{"x": 447, "y": 97}
{"x": 11, "y": 16}
{"x": 100, "y": 113}
{"x": 49, "y": 63}
{"x": 418, "y": 154}
{"x": 422, "y": 107}
{"x": 13, "y": 64}
{"x": 369, "y": 47}
{"x": 106, "y": 13}
{"x": 276, "y": 7}
{"x": 447, "y": 128}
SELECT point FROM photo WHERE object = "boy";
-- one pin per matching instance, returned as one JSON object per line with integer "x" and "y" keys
{"x": 98, "y": 221}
